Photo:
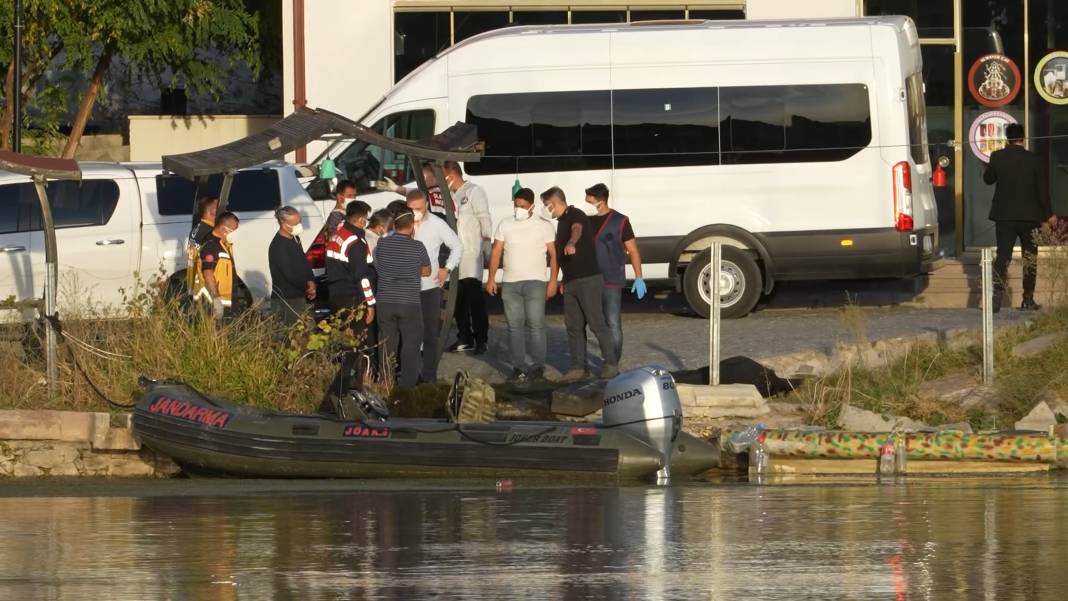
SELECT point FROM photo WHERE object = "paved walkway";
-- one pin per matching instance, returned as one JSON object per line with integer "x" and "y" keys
{"x": 662, "y": 331}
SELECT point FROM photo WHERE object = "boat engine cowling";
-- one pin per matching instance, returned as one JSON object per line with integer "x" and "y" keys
{"x": 645, "y": 403}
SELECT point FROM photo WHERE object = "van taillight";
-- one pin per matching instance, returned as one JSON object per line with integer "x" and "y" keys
{"x": 316, "y": 254}
{"x": 903, "y": 197}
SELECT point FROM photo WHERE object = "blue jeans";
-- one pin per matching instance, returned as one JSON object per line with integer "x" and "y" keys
{"x": 612, "y": 304}
{"x": 524, "y": 308}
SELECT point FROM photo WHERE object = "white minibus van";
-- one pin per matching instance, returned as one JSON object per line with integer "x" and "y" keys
{"x": 799, "y": 144}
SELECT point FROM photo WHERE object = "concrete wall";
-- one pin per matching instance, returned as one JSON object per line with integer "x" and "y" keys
{"x": 800, "y": 9}
{"x": 348, "y": 48}
{"x": 153, "y": 136}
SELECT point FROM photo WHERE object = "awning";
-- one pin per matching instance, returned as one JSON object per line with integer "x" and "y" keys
{"x": 457, "y": 143}
{"x": 43, "y": 166}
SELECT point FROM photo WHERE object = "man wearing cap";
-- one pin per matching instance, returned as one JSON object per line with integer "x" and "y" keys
{"x": 524, "y": 242}
{"x": 614, "y": 241}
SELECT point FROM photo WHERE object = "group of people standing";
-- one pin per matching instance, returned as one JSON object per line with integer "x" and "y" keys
{"x": 388, "y": 269}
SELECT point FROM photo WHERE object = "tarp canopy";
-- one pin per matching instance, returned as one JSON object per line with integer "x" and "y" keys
{"x": 457, "y": 143}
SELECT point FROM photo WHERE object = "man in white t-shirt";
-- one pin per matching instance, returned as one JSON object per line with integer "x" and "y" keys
{"x": 527, "y": 244}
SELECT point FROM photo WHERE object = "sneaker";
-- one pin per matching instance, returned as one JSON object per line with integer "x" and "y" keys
{"x": 460, "y": 347}
{"x": 609, "y": 371}
{"x": 480, "y": 348}
{"x": 1029, "y": 304}
{"x": 574, "y": 375}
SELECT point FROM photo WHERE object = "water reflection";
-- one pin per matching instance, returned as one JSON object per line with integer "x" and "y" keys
{"x": 922, "y": 539}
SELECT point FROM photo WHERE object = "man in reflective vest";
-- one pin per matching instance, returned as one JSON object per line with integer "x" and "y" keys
{"x": 615, "y": 244}
{"x": 204, "y": 215}
{"x": 350, "y": 277}
{"x": 215, "y": 267}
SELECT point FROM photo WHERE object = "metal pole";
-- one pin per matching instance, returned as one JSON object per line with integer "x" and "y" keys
{"x": 224, "y": 194}
{"x": 987, "y": 265}
{"x": 454, "y": 277}
{"x": 16, "y": 89}
{"x": 51, "y": 281}
{"x": 714, "y": 313}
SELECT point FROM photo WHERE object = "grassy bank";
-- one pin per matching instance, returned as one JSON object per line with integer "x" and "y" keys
{"x": 895, "y": 388}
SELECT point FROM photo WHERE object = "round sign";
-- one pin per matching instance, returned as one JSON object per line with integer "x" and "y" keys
{"x": 1051, "y": 77}
{"x": 987, "y": 133}
{"x": 994, "y": 80}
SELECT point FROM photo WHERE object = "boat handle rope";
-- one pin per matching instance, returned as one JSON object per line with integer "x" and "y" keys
{"x": 58, "y": 325}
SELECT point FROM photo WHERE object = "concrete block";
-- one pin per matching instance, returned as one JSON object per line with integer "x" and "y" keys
{"x": 722, "y": 396}
{"x": 68, "y": 426}
{"x": 720, "y": 412}
{"x": 1041, "y": 419}
{"x": 1037, "y": 346}
{"x": 853, "y": 419}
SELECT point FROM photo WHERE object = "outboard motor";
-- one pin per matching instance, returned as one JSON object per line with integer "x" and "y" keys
{"x": 644, "y": 403}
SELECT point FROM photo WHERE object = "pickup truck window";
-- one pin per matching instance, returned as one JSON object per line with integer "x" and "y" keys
{"x": 74, "y": 204}
{"x": 253, "y": 190}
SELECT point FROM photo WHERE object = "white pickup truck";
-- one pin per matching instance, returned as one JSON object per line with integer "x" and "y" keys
{"x": 122, "y": 219}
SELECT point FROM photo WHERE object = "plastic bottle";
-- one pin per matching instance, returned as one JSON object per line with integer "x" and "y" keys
{"x": 901, "y": 455}
{"x": 740, "y": 441}
{"x": 758, "y": 456}
{"x": 887, "y": 463}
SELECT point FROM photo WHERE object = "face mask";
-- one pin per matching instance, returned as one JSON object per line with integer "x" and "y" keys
{"x": 418, "y": 215}
{"x": 297, "y": 229}
{"x": 522, "y": 214}
{"x": 347, "y": 200}
{"x": 589, "y": 210}
{"x": 230, "y": 236}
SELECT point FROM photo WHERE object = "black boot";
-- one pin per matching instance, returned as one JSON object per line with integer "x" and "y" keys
{"x": 995, "y": 302}
{"x": 1029, "y": 304}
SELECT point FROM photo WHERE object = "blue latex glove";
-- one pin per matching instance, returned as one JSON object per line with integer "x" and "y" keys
{"x": 639, "y": 288}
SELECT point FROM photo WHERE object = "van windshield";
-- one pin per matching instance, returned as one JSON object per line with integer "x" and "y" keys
{"x": 917, "y": 118}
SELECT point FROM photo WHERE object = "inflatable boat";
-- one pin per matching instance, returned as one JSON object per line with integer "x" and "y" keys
{"x": 640, "y": 438}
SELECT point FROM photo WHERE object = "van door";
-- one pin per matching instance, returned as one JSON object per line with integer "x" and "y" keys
{"x": 16, "y": 273}
{"x": 96, "y": 238}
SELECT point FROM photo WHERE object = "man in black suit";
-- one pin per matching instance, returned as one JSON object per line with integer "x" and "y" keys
{"x": 1021, "y": 203}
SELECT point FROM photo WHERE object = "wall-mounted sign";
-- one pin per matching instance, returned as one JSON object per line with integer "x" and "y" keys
{"x": 987, "y": 133}
{"x": 994, "y": 80}
{"x": 1051, "y": 77}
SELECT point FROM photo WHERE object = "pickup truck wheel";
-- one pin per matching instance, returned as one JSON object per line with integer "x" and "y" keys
{"x": 739, "y": 283}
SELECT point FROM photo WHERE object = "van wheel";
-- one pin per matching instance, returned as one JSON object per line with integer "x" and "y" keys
{"x": 740, "y": 283}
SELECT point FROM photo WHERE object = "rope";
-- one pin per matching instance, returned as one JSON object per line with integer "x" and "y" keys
{"x": 54, "y": 320}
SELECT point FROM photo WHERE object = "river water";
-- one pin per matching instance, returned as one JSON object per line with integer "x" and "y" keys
{"x": 926, "y": 538}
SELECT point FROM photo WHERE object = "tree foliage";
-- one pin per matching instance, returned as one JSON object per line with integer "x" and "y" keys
{"x": 167, "y": 43}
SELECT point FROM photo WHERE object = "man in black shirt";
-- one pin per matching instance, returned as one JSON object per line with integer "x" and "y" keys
{"x": 292, "y": 280}
{"x": 582, "y": 284}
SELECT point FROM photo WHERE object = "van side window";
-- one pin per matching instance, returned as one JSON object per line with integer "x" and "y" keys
{"x": 74, "y": 204}
{"x": 793, "y": 124}
{"x": 542, "y": 132}
{"x": 252, "y": 190}
{"x": 665, "y": 128}
{"x": 365, "y": 163}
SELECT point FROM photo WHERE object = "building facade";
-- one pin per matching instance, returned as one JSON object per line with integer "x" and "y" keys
{"x": 986, "y": 63}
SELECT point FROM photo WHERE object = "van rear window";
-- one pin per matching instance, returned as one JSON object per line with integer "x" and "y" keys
{"x": 254, "y": 190}
{"x": 917, "y": 109}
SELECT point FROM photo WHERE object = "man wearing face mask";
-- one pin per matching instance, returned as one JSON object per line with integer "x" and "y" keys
{"x": 292, "y": 280}
{"x": 435, "y": 235}
{"x": 475, "y": 227}
{"x": 216, "y": 265}
{"x": 343, "y": 195}
{"x": 524, "y": 242}
{"x": 582, "y": 286}
{"x": 614, "y": 242}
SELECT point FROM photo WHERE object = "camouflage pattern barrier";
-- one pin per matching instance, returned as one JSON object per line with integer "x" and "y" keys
{"x": 950, "y": 445}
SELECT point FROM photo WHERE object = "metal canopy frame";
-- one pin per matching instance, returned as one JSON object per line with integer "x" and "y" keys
{"x": 41, "y": 169}
{"x": 457, "y": 143}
